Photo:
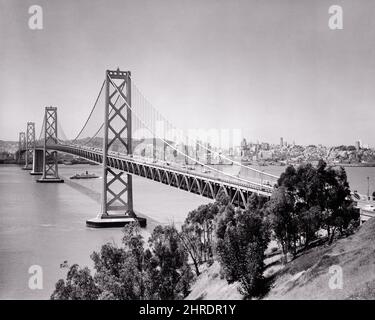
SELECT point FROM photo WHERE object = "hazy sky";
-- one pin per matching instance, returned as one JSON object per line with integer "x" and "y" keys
{"x": 271, "y": 67}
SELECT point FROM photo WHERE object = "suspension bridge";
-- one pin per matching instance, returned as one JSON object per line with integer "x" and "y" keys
{"x": 127, "y": 135}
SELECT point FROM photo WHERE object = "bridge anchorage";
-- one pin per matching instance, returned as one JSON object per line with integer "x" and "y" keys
{"x": 117, "y": 120}
{"x": 50, "y": 166}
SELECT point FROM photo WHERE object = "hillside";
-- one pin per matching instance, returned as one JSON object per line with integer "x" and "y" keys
{"x": 307, "y": 277}
{"x": 210, "y": 285}
{"x": 8, "y": 146}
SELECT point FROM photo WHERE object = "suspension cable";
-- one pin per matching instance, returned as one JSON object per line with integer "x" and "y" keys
{"x": 92, "y": 110}
{"x": 206, "y": 148}
{"x": 186, "y": 155}
{"x": 100, "y": 128}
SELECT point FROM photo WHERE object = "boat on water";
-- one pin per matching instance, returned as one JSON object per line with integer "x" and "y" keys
{"x": 85, "y": 175}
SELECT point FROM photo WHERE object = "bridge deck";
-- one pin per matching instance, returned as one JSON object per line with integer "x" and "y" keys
{"x": 204, "y": 184}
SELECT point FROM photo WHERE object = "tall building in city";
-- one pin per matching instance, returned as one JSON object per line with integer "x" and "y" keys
{"x": 281, "y": 142}
{"x": 244, "y": 147}
{"x": 358, "y": 144}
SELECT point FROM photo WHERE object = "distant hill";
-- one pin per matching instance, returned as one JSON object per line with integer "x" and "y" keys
{"x": 8, "y": 146}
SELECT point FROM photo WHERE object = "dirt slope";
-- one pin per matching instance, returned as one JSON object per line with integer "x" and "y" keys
{"x": 308, "y": 276}
{"x": 210, "y": 285}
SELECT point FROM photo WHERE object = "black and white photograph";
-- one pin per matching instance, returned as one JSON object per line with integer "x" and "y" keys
{"x": 215, "y": 152}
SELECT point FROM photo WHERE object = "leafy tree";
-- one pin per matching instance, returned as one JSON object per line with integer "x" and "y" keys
{"x": 256, "y": 201}
{"x": 197, "y": 234}
{"x": 170, "y": 273}
{"x": 79, "y": 285}
{"x": 132, "y": 272}
{"x": 283, "y": 219}
{"x": 242, "y": 238}
{"x": 308, "y": 199}
{"x": 222, "y": 199}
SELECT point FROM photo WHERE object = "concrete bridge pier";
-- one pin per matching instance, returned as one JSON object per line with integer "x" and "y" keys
{"x": 37, "y": 163}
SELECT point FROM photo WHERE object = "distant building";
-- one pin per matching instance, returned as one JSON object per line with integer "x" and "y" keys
{"x": 265, "y": 146}
{"x": 208, "y": 154}
{"x": 281, "y": 142}
{"x": 265, "y": 154}
{"x": 358, "y": 144}
{"x": 244, "y": 147}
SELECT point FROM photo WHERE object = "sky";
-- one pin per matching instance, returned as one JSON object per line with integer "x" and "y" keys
{"x": 269, "y": 68}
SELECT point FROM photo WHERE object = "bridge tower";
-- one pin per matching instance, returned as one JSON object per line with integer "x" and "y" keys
{"x": 117, "y": 193}
{"x": 50, "y": 166}
{"x": 21, "y": 145}
{"x": 30, "y": 145}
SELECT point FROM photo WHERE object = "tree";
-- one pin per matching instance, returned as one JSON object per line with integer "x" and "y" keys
{"x": 256, "y": 201}
{"x": 170, "y": 273}
{"x": 122, "y": 273}
{"x": 79, "y": 285}
{"x": 197, "y": 234}
{"x": 308, "y": 199}
{"x": 132, "y": 272}
{"x": 242, "y": 238}
{"x": 283, "y": 219}
{"x": 338, "y": 206}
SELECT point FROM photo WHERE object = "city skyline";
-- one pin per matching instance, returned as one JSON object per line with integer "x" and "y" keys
{"x": 299, "y": 80}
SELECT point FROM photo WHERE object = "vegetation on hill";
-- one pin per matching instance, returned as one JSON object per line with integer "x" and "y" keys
{"x": 308, "y": 200}
{"x": 308, "y": 276}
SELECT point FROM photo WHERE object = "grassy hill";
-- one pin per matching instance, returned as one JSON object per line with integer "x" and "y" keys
{"x": 307, "y": 277}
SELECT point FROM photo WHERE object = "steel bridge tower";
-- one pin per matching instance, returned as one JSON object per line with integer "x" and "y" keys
{"x": 30, "y": 145}
{"x": 21, "y": 145}
{"x": 117, "y": 208}
{"x": 50, "y": 166}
